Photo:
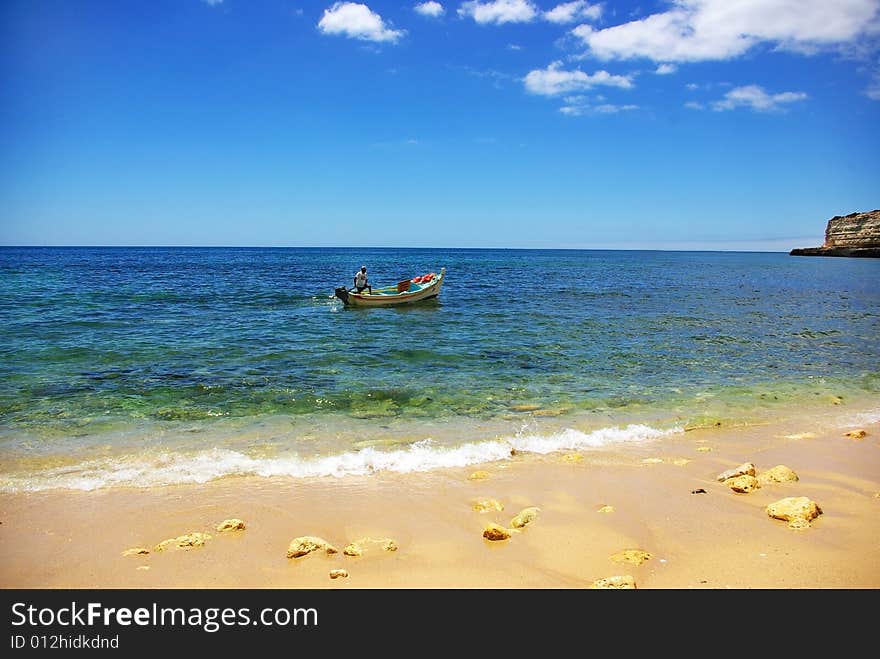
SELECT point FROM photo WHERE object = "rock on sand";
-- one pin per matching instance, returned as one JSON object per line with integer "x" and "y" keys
{"x": 618, "y": 582}
{"x": 136, "y": 551}
{"x": 487, "y": 505}
{"x": 307, "y": 544}
{"x": 743, "y": 484}
{"x": 496, "y": 532}
{"x": 480, "y": 475}
{"x": 777, "y": 474}
{"x": 797, "y": 511}
{"x": 856, "y": 434}
{"x": 634, "y": 556}
{"x": 524, "y": 516}
{"x": 745, "y": 469}
{"x": 340, "y": 572}
{"x": 232, "y": 524}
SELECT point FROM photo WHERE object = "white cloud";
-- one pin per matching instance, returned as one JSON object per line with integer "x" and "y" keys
{"x": 754, "y": 97}
{"x": 692, "y": 86}
{"x": 554, "y": 80}
{"x": 577, "y": 106}
{"x": 569, "y": 12}
{"x": 666, "y": 69}
{"x": 213, "y": 2}
{"x": 499, "y": 11}
{"x": 514, "y": 46}
{"x": 697, "y": 30}
{"x": 872, "y": 91}
{"x": 693, "y": 105}
{"x": 357, "y": 21}
{"x": 432, "y": 9}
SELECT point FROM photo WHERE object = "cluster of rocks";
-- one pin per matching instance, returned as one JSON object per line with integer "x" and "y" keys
{"x": 188, "y": 540}
{"x": 797, "y": 511}
{"x": 307, "y": 544}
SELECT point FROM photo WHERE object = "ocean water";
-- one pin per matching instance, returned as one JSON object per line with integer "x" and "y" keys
{"x": 147, "y": 366}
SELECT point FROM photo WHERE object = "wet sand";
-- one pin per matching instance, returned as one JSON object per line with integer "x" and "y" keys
{"x": 713, "y": 540}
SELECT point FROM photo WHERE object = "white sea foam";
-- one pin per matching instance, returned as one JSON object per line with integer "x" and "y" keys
{"x": 204, "y": 466}
{"x": 864, "y": 418}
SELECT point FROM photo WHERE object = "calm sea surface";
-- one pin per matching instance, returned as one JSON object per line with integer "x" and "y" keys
{"x": 140, "y": 366}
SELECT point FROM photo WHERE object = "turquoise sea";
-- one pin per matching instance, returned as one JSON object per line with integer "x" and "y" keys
{"x": 147, "y": 366}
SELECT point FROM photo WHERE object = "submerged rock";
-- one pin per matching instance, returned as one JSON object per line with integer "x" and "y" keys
{"x": 606, "y": 509}
{"x": 232, "y": 524}
{"x": 856, "y": 434}
{"x": 572, "y": 457}
{"x": 652, "y": 461}
{"x": 797, "y": 511}
{"x": 340, "y": 572}
{"x": 743, "y": 484}
{"x": 617, "y": 582}
{"x": 681, "y": 462}
{"x": 487, "y": 505}
{"x": 745, "y": 469}
{"x": 524, "y": 516}
{"x": 777, "y": 474}
{"x": 496, "y": 532}
{"x": 704, "y": 449}
{"x": 136, "y": 551}
{"x": 390, "y": 545}
{"x": 634, "y": 556}
{"x": 479, "y": 475}
{"x": 307, "y": 544}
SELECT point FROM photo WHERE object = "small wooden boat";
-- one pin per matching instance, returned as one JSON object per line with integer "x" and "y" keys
{"x": 408, "y": 291}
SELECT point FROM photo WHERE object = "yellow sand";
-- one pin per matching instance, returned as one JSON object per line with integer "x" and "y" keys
{"x": 716, "y": 539}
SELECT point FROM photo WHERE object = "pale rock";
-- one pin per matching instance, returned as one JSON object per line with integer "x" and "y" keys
{"x": 797, "y": 511}
{"x": 652, "y": 461}
{"x": 353, "y": 549}
{"x": 136, "y": 551}
{"x": 487, "y": 505}
{"x": 681, "y": 462}
{"x": 479, "y": 475}
{"x": 777, "y": 474}
{"x": 634, "y": 556}
{"x": 194, "y": 539}
{"x": 307, "y": 544}
{"x": 390, "y": 545}
{"x": 704, "y": 449}
{"x": 746, "y": 468}
{"x": 340, "y": 572}
{"x": 232, "y": 524}
{"x": 743, "y": 484}
{"x": 618, "y": 582}
{"x": 856, "y": 434}
{"x": 524, "y": 516}
{"x": 572, "y": 457}
{"x": 606, "y": 509}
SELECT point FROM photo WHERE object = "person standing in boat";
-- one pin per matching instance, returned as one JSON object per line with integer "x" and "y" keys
{"x": 361, "y": 282}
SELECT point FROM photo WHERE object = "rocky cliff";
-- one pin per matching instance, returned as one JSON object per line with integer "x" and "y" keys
{"x": 856, "y": 234}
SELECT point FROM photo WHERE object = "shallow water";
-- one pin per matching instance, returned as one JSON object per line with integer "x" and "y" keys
{"x": 142, "y": 362}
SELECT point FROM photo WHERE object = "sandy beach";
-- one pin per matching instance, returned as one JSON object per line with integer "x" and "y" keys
{"x": 662, "y": 498}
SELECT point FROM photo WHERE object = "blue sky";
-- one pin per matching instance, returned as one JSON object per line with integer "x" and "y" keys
{"x": 693, "y": 124}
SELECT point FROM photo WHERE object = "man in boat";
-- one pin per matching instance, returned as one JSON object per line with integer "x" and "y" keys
{"x": 361, "y": 282}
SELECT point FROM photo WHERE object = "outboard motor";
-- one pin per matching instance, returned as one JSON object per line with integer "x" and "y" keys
{"x": 342, "y": 294}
